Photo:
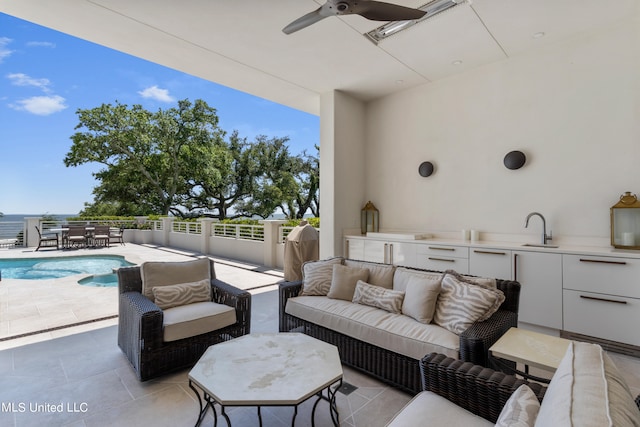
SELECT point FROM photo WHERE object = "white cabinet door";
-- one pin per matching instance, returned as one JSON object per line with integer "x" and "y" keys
{"x": 396, "y": 253}
{"x": 489, "y": 262}
{"x": 540, "y": 277}
{"x": 354, "y": 249}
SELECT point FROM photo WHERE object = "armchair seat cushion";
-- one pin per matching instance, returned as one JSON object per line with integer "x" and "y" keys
{"x": 194, "y": 319}
{"x": 431, "y": 409}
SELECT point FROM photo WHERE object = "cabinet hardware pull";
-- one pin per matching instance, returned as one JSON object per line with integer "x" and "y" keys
{"x": 600, "y": 261}
{"x": 515, "y": 267}
{"x": 489, "y": 252}
{"x": 436, "y": 248}
{"x": 603, "y": 299}
{"x": 391, "y": 253}
{"x": 442, "y": 259}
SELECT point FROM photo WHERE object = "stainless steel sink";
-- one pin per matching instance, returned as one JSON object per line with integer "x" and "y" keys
{"x": 539, "y": 245}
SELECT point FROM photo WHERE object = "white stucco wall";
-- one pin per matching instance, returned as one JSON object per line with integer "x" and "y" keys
{"x": 573, "y": 108}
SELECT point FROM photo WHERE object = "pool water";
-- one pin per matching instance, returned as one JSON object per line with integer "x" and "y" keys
{"x": 57, "y": 267}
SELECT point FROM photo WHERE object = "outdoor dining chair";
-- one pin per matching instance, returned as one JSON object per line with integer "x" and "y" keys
{"x": 76, "y": 236}
{"x": 47, "y": 239}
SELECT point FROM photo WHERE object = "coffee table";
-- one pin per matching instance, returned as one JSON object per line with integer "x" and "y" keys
{"x": 284, "y": 369}
{"x": 531, "y": 349}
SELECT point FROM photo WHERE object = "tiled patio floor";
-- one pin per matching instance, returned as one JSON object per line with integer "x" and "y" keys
{"x": 82, "y": 368}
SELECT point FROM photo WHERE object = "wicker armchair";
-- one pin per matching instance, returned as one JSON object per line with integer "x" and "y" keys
{"x": 481, "y": 391}
{"x": 140, "y": 326}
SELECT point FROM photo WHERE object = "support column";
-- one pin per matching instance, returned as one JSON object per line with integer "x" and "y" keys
{"x": 271, "y": 241}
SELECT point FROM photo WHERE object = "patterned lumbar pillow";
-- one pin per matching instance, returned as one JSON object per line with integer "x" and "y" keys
{"x": 520, "y": 410}
{"x": 316, "y": 276}
{"x": 182, "y": 294}
{"x": 344, "y": 280}
{"x": 379, "y": 297}
{"x": 460, "y": 304}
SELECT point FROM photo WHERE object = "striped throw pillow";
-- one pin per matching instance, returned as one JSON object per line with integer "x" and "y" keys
{"x": 520, "y": 410}
{"x": 379, "y": 297}
{"x": 317, "y": 275}
{"x": 460, "y": 304}
{"x": 182, "y": 294}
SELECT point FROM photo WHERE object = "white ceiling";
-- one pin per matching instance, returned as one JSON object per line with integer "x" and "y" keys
{"x": 239, "y": 43}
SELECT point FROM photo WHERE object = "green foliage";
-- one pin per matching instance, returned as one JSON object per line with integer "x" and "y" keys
{"x": 177, "y": 161}
{"x": 314, "y": 222}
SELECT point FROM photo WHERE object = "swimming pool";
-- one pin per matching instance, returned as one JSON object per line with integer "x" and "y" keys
{"x": 57, "y": 267}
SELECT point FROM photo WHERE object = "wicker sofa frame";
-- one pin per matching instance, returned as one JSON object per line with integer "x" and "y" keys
{"x": 396, "y": 369}
{"x": 140, "y": 334}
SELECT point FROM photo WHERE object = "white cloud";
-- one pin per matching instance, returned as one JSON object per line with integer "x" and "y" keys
{"x": 5, "y": 52}
{"x": 20, "y": 79}
{"x": 41, "y": 44}
{"x": 154, "y": 92}
{"x": 41, "y": 105}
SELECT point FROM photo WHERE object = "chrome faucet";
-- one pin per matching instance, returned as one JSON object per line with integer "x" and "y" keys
{"x": 545, "y": 237}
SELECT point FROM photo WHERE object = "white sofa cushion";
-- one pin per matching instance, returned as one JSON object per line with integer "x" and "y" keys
{"x": 379, "y": 274}
{"x": 394, "y": 332}
{"x": 587, "y": 390}
{"x": 430, "y": 409}
{"x": 194, "y": 319}
{"x": 377, "y": 296}
{"x": 162, "y": 273}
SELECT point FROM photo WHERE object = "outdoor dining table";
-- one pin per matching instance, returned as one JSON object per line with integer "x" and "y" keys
{"x": 89, "y": 229}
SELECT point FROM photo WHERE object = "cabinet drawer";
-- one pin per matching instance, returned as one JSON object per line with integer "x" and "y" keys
{"x": 442, "y": 263}
{"x": 607, "y": 275}
{"x": 443, "y": 251}
{"x": 603, "y": 316}
{"x": 489, "y": 262}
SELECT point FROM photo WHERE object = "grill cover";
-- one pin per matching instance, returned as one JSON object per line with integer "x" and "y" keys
{"x": 302, "y": 245}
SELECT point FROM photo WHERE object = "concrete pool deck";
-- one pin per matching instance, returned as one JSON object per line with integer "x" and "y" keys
{"x": 37, "y": 310}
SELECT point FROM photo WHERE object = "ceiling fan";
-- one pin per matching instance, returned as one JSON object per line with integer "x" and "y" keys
{"x": 370, "y": 9}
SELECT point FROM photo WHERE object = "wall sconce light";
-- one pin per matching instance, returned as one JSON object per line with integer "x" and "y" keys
{"x": 426, "y": 169}
{"x": 515, "y": 160}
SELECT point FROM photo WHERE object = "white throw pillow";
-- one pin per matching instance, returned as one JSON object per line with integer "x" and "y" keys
{"x": 520, "y": 410}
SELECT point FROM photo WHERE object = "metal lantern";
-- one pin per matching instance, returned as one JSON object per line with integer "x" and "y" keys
{"x": 625, "y": 222}
{"x": 369, "y": 218}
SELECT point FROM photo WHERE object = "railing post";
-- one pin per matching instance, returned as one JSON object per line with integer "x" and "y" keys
{"x": 271, "y": 241}
{"x": 205, "y": 236}
{"x": 167, "y": 227}
{"x": 31, "y": 239}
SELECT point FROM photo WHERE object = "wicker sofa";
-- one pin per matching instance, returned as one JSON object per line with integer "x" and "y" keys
{"x": 587, "y": 390}
{"x": 142, "y": 329}
{"x": 389, "y": 361}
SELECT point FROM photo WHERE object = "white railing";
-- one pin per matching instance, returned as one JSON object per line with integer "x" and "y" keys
{"x": 186, "y": 227}
{"x": 11, "y": 233}
{"x": 238, "y": 231}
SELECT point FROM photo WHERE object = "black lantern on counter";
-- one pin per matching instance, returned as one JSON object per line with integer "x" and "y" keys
{"x": 625, "y": 222}
{"x": 369, "y": 218}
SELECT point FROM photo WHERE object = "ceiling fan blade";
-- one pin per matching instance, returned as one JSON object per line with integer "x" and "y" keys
{"x": 308, "y": 19}
{"x": 380, "y": 11}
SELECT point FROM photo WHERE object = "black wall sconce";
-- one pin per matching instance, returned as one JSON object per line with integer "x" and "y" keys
{"x": 515, "y": 160}
{"x": 426, "y": 169}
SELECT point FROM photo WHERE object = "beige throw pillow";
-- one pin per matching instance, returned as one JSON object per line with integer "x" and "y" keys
{"x": 379, "y": 297}
{"x": 379, "y": 274}
{"x": 344, "y": 280}
{"x": 316, "y": 276}
{"x": 460, "y": 304}
{"x": 158, "y": 273}
{"x": 421, "y": 296}
{"x": 182, "y": 294}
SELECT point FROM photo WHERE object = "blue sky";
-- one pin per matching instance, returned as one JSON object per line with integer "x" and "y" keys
{"x": 46, "y": 76}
